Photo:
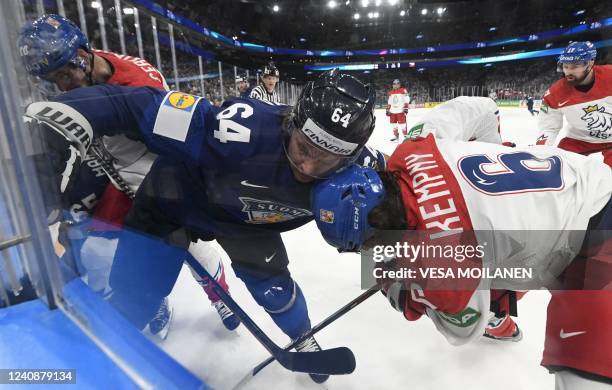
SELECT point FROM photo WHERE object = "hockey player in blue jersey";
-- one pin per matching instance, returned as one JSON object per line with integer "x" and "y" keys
{"x": 243, "y": 87}
{"x": 240, "y": 173}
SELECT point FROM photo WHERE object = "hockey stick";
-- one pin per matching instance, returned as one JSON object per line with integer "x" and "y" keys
{"x": 335, "y": 361}
{"x": 315, "y": 329}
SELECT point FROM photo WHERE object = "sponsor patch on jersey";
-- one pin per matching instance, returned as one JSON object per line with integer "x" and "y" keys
{"x": 466, "y": 318}
{"x": 182, "y": 101}
{"x": 326, "y": 216}
{"x": 414, "y": 132}
{"x": 175, "y": 114}
{"x": 266, "y": 211}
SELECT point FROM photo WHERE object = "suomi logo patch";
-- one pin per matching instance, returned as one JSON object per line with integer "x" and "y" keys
{"x": 266, "y": 211}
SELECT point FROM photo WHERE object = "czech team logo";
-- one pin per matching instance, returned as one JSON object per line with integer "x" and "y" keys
{"x": 598, "y": 120}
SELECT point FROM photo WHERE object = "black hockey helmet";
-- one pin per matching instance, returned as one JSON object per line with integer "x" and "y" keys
{"x": 336, "y": 107}
{"x": 270, "y": 70}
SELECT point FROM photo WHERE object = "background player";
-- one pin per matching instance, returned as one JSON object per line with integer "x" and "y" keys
{"x": 583, "y": 97}
{"x": 242, "y": 83}
{"x": 397, "y": 108}
{"x": 54, "y": 49}
{"x": 266, "y": 91}
{"x": 529, "y": 100}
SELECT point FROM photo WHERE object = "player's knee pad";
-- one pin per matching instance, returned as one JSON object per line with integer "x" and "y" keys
{"x": 276, "y": 294}
{"x": 281, "y": 297}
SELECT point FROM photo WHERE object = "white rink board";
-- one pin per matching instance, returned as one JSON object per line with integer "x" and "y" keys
{"x": 390, "y": 351}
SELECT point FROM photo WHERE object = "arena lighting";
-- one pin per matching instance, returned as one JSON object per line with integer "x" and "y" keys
{"x": 424, "y": 11}
{"x": 392, "y": 2}
{"x": 376, "y": 14}
{"x": 492, "y": 29}
{"x": 356, "y": 16}
{"x": 95, "y": 4}
{"x": 128, "y": 11}
{"x": 578, "y": 13}
{"x": 331, "y": 4}
{"x": 402, "y": 13}
{"x": 440, "y": 10}
{"x": 378, "y": 2}
{"x": 275, "y": 8}
{"x": 235, "y": 38}
{"x": 370, "y": 15}
{"x": 347, "y": 2}
{"x": 364, "y": 3}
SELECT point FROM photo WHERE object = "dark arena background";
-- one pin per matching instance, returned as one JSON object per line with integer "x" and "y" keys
{"x": 58, "y": 323}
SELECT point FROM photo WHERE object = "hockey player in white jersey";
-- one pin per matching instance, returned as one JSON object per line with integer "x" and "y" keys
{"x": 584, "y": 98}
{"x": 451, "y": 192}
{"x": 464, "y": 118}
{"x": 397, "y": 109}
{"x": 474, "y": 118}
{"x": 266, "y": 91}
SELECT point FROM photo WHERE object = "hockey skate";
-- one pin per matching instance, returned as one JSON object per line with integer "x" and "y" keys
{"x": 228, "y": 318}
{"x": 160, "y": 324}
{"x": 504, "y": 329}
{"x": 311, "y": 345}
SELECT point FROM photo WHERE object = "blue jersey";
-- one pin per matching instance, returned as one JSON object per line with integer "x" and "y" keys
{"x": 247, "y": 93}
{"x": 222, "y": 169}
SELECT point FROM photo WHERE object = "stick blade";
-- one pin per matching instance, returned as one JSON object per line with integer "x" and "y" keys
{"x": 335, "y": 361}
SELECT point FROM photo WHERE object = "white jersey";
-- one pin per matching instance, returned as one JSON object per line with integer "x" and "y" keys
{"x": 398, "y": 100}
{"x": 463, "y": 118}
{"x": 588, "y": 114}
{"x": 261, "y": 93}
{"x": 529, "y": 208}
{"x": 133, "y": 160}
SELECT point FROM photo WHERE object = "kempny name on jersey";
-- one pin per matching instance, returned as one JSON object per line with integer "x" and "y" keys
{"x": 437, "y": 209}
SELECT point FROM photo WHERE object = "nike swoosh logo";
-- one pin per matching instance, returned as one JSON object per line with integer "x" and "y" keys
{"x": 563, "y": 103}
{"x": 564, "y": 335}
{"x": 268, "y": 259}
{"x": 246, "y": 183}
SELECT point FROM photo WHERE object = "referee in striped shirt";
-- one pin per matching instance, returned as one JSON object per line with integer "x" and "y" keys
{"x": 266, "y": 91}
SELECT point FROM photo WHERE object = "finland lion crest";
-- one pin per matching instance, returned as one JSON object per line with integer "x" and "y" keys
{"x": 598, "y": 120}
